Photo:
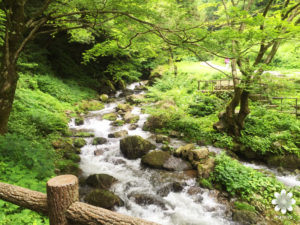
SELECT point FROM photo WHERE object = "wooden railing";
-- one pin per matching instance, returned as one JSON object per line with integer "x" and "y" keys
{"x": 61, "y": 204}
{"x": 295, "y": 105}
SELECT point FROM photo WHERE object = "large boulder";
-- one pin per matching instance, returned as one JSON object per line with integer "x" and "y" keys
{"x": 131, "y": 118}
{"x": 103, "y": 198}
{"x": 155, "y": 159}
{"x": 245, "y": 217}
{"x": 102, "y": 181}
{"x": 134, "y": 147}
{"x": 176, "y": 164}
{"x": 118, "y": 134}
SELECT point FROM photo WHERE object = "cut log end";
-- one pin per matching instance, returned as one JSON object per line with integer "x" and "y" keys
{"x": 63, "y": 180}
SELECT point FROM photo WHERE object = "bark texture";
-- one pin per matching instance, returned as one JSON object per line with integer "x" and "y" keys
{"x": 62, "y": 191}
{"x": 23, "y": 197}
{"x": 84, "y": 214}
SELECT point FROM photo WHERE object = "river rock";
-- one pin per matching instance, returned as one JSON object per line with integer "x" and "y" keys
{"x": 103, "y": 198}
{"x": 148, "y": 199}
{"x": 194, "y": 190}
{"x": 183, "y": 151}
{"x": 135, "y": 99}
{"x": 118, "y": 123}
{"x": 103, "y": 98}
{"x": 98, "y": 152}
{"x": 124, "y": 107}
{"x": 205, "y": 168}
{"x": 176, "y": 164}
{"x": 131, "y": 118}
{"x": 126, "y": 92}
{"x": 79, "y": 121}
{"x": 154, "y": 122}
{"x": 162, "y": 138}
{"x": 291, "y": 162}
{"x": 133, "y": 126}
{"x": 79, "y": 142}
{"x": 175, "y": 134}
{"x": 99, "y": 141}
{"x": 134, "y": 147}
{"x": 110, "y": 116}
{"x": 198, "y": 154}
{"x": 118, "y": 134}
{"x": 155, "y": 159}
{"x": 172, "y": 187}
{"x": 245, "y": 217}
{"x": 102, "y": 181}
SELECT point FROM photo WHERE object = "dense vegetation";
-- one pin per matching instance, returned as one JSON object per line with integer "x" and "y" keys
{"x": 81, "y": 49}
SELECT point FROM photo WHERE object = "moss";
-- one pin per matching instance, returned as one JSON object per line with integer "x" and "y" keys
{"x": 155, "y": 159}
{"x": 79, "y": 142}
{"x": 244, "y": 206}
{"x": 79, "y": 121}
{"x": 83, "y": 134}
{"x": 99, "y": 141}
{"x": 103, "y": 198}
{"x": 110, "y": 116}
{"x": 103, "y": 97}
{"x": 118, "y": 123}
{"x": 92, "y": 105}
{"x": 205, "y": 183}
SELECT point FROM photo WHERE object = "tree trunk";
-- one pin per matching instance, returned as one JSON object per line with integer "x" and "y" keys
{"x": 230, "y": 121}
{"x": 8, "y": 84}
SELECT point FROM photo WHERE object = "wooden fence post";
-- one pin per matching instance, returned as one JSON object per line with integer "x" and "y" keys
{"x": 62, "y": 191}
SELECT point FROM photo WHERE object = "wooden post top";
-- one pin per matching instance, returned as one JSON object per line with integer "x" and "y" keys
{"x": 63, "y": 180}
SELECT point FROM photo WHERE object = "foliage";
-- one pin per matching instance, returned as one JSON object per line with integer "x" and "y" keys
{"x": 244, "y": 182}
{"x": 264, "y": 128}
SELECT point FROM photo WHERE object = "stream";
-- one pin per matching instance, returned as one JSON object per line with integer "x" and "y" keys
{"x": 181, "y": 208}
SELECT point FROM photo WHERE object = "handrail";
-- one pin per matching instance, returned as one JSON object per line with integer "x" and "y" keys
{"x": 62, "y": 206}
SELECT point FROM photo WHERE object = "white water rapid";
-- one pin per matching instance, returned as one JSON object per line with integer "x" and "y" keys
{"x": 180, "y": 208}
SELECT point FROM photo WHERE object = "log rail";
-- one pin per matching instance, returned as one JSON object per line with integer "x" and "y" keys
{"x": 61, "y": 204}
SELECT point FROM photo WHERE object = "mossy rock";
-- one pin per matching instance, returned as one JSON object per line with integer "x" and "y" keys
{"x": 155, "y": 159}
{"x": 103, "y": 98}
{"x": 124, "y": 107}
{"x": 79, "y": 142}
{"x": 67, "y": 167}
{"x": 83, "y": 134}
{"x": 286, "y": 161}
{"x": 131, "y": 118}
{"x": 118, "y": 123}
{"x": 99, "y": 141}
{"x": 103, "y": 198}
{"x": 155, "y": 122}
{"x": 134, "y": 147}
{"x": 79, "y": 121}
{"x": 205, "y": 183}
{"x": 110, "y": 116}
{"x": 245, "y": 217}
{"x": 102, "y": 181}
{"x": 91, "y": 105}
{"x": 244, "y": 206}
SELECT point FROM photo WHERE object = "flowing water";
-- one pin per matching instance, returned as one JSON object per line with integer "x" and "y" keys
{"x": 179, "y": 208}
